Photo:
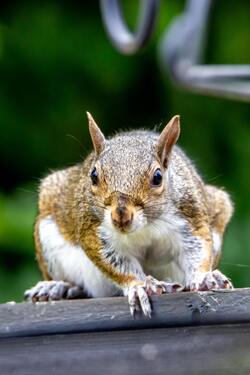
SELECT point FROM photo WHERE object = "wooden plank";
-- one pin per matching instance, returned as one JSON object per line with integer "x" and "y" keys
{"x": 96, "y": 315}
{"x": 206, "y": 350}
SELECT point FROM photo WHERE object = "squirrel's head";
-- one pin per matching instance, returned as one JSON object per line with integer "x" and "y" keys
{"x": 128, "y": 176}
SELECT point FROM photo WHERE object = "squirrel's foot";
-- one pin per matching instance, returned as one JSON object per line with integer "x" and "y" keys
{"x": 210, "y": 280}
{"x": 139, "y": 292}
{"x": 138, "y": 299}
{"x": 53, "y": 290}
{"x": 154, "y": 286}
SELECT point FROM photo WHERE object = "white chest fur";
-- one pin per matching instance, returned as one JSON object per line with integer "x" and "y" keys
{"x": 156, "y": 246}
{"x": 69, "y": 263}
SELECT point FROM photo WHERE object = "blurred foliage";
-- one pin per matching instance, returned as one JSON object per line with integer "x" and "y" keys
{"x": 56, "y": 62}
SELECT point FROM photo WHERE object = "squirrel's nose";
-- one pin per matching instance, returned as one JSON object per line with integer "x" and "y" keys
{"x": 122, "y": 217}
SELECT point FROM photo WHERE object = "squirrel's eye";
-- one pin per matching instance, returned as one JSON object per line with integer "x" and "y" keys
{"x": 157, "y": 178}
{"x": 94, "y": 176}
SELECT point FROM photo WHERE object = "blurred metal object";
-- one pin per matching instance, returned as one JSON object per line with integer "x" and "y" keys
{"x": 180, "y": 48}
{"x": 181, "y": 51}
{"x": 123, "y": 39}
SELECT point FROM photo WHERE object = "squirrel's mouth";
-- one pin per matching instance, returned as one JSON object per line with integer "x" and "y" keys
{"x": 122, "y": 218}
{"x": 124, "y": 215}
{"x": 136, "y": 221}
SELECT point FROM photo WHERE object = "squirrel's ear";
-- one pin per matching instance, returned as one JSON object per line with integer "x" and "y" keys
{"x": 97, "y": 137}
{"x": 167, "y": 139}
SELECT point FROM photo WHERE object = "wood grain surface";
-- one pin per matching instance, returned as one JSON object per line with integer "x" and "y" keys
{"x": 94, "y": 315}
{"x": 189, "y": 333}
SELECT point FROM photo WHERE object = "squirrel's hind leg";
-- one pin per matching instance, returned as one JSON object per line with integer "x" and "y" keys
{"x": 221, "y": 210}
{"x": 203, "y": 240}
{"x": 39, "y": 254}
{"x": 50, "y": 289}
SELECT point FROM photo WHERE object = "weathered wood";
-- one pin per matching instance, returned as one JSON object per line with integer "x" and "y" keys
{"x": 221, "y": 349}
{"x": 97, "y": 315}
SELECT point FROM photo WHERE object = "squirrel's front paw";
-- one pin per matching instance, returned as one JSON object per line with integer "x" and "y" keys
{"x": 210, "y": 280}
{"x": 139, "y": 291}
{"x": 138, "y": 298}
{"x": 154, "y": 286}
{"x": 53, "y": 290}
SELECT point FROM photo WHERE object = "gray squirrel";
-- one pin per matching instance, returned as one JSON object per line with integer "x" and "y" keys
{"x": 134, "y": 219}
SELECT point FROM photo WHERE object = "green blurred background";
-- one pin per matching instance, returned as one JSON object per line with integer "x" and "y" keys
{"x": 56, "y": 62}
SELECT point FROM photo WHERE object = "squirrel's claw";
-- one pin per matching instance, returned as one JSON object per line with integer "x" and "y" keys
{"x": 154, "y": 286}
{"x": 138, "y": 300}
{"x": 139, "y": 293}
{"x": 222, "y": 281}
{"x": 53, "y": 290}
{"x": 210, "y": 280}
